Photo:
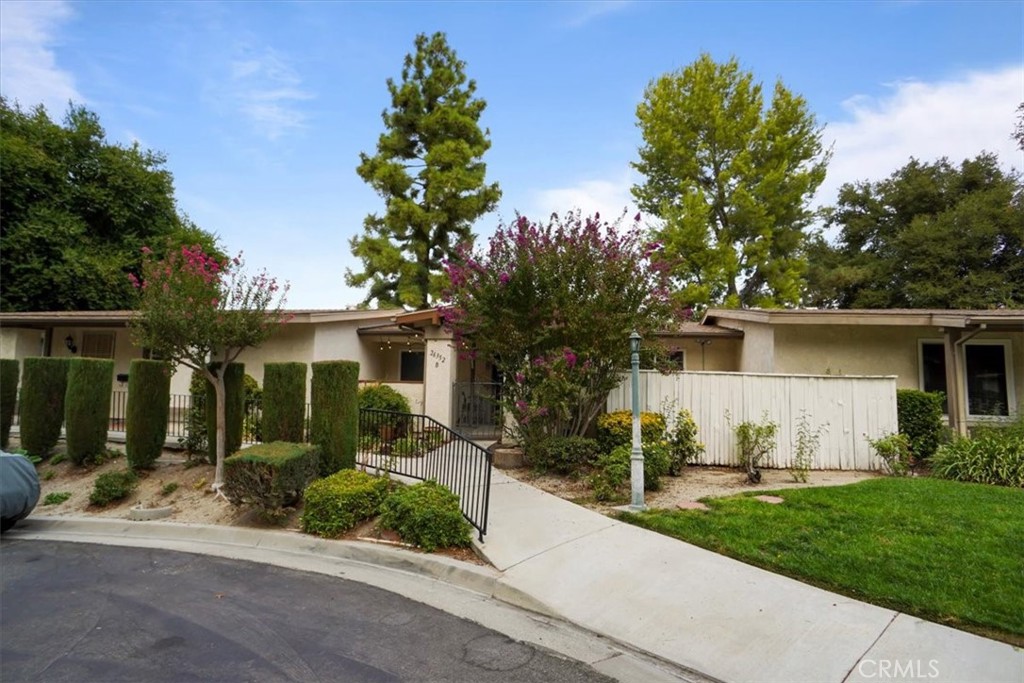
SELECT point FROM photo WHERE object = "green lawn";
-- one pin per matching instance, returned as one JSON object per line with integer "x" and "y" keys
{"x": 945, "y": 551}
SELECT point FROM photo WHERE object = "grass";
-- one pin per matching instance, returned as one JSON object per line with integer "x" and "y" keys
{"x": 944, "y": 551}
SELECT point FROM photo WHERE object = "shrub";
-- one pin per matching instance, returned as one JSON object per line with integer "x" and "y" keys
{"x": 806, "y": 447}
{"x": 408, "y": 447}
{"x": 8, "y": 397}
{"x": 755, "y": 441}
{"x": 894, "y": 450}
{"x": 337, "y": 503}
{"x": 87, "y": 407}
{"x": 271, "y": 475}
{"x": 616, "y": 429}
{"x": 382, "y": 397}
{"x": 426, "y": 515}
{"x": 284, "y": 402}
{"x": 334, "y": 424}
{"x": 683, "y": 444}
{"x": 169, "y": 488}
{"x": 568, "y": 455}
{"x": 149, "y": 389}
{"x": 919, "y": 415}
{"x": 993, "y": 457}
{"x": 234, "y": 411}
{"x": 112, "y": 486}
{"x": 56, "y": 498}
{"x": 611, "y": 477}
{"x": 44, "y": 382}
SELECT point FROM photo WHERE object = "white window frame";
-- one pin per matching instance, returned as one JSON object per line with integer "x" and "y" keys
{"x": 1011, "y": 393}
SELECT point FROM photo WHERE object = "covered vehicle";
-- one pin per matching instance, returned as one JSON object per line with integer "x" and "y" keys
{"x": 19, "y": 489}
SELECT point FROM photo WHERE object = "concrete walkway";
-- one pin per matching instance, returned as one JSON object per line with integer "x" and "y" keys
{"x": 711, "y": 614}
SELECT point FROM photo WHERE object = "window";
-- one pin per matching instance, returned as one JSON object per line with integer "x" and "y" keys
{"x": 987, "y": 365}
{"x": 97, "y": 344}
{"x": 412, "y": 366}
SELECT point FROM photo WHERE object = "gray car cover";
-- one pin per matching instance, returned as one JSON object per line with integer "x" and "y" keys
{"x": 19, "y": 488}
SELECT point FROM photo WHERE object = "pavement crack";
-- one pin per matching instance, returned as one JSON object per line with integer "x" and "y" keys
{"x": 873, "y": 643}
{"x": 567, "y": 541}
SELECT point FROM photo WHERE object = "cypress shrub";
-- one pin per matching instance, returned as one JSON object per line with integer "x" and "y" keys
{"x": 87, "y": 407}
{"x": 149, "y": 398}
{"x": 334, "y": 424}
{"x": 195, "y": 441}
{"x": 919, "y": 415}
{"x": 234, "y": 414}
{"x": 8, "y": 397}
{"x": 284, "y": 402}
{"x": 44, "y": 382}
{"x": 270, "y": 476}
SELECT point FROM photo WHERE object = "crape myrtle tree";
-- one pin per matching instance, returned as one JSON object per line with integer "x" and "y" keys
{"x": 430, "y": 172}
{"x": 203, "y": 312}
{"x": 729, "y": 181}
{"x": 553, "y": 306}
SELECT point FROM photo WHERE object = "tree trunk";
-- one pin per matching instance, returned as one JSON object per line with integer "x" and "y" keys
{"x": 221, "y": 438}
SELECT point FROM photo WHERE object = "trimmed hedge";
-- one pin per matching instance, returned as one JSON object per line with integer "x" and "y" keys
{"x": 426, "y": 515}
{"x": 270, "y": 475}
{"x": 112, "y": 486}
{"x": 234, "y": 411}
{"x": 284, "y": 402}
{"x": 337, "y": 503}
{"x": 87, "y": 407}
{"x": 44, "y": 382}
{"x": 616, "y": 429}
{"x": 9, "y": 369}
{"x": 334, "y": 422}
{"x": 382, "y": 397}
{"x": 919, "y": 415}
{"x": 567, "y": 455}
{"x": 149, "y": 392}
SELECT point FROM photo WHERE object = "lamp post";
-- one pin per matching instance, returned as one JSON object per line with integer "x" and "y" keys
{"x": 636, "y": 456}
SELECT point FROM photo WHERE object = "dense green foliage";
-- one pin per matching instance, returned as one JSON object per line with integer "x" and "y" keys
{"x": 616, "y": 429}
{"x": 113, "y": 486}
{"x": 939, "y": 550}
{"x": 284, "y": 402}
{"x": 270, "y": 475}
{"x": 56, "y": 497}
{"x": 919, "y": 415}
{"x": 731, "y": 180}
{"x": 75, "y": 211}
{"x": 610, "y": 479}
{"x": 683, "y": 444}
{"x": 334, "y": 419}
{"x": 993, "y": 455}
{"x": 9, "y": 371}
{"x": 87, "y": 407}
{"x": 566, "y": 455}
{"x": 427, "y": 515}
{"x": 929, "y": 236}
{"x": 382, "y": 397}
{"x": 337, "y": 503}
{"x": 429, "y": 171}
{"x": 149, "y": 390}
{"x": 894, "y": 450}
{"x": 234, "y": 410}
{"x": 44, "y": 382}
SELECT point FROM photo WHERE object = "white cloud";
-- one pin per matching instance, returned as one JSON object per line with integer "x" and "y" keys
{"x": 956, "y": 118}
{"x": 30, "y": 75}
{"x": 266, "y": 91}
{"x": 609, "y": 197}
{"x": 595, "y": 9}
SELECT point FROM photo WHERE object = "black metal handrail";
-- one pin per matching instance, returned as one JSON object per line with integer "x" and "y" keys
{"x": 419, "y": 447}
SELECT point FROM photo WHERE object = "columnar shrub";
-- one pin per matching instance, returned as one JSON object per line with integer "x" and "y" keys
{"x": 919, "y": 415}
{"x": 44, "y": 382}
{"x": 334, "y": 422}
{"x": 284, "y": 402}
{"x": 149, "y": 392}
{"x": 234, "y": 411}
{"x": 337, "y": 503}
{"x": 87, "y": 407}
{"x": 427, "y": 515}
{"x": 195, "y": 440}
{"x": 270, "y": 475}
{"x": 616, "y": 428}
{"x": 8, "y": 397}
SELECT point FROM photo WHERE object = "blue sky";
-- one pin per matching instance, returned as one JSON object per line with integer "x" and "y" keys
{"x": 263, "y": 108}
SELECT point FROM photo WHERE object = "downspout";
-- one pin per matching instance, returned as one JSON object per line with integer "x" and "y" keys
{"x": 961, "y": 378}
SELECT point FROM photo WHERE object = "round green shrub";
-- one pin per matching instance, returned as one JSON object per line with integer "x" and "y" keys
{"x": 616, "y": 429}
{"x": 87, "y": 407}
{"x": 337, "y": 503}
{"x": 566, "y": 455}
{"x": 112, "y": 486}
{"x": 919, "y": 415}
{"x": 9, "y": 370}
{"x": 426, "y": 515}
{"x": 382, "y": 397}
{"x": 612, "y": 471}
{"x": 334, "y": 419}
{"x": 44, "y": 383}
{"x": 149, "y": 390}
{"x": 284, "y": 402}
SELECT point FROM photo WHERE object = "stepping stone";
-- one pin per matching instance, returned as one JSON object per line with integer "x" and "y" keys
{"x": 774, "y": 500}
{"x": 692, "y": 505}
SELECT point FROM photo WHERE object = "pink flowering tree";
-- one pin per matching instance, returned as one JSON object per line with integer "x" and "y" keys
{"x": 553, "y": 305}
{"x": 203, "y": 312}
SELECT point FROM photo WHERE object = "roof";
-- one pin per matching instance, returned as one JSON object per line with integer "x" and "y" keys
{"x": 698, "y": 330}
{"x": 999, "y": 318}
{"x": 43, "y": 319}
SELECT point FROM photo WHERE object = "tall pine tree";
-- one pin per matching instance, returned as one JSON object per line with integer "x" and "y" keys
{"x": 429, "y": 170}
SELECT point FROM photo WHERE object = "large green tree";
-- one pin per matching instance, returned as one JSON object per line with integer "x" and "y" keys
{"x": 75, "y": 211}
{"x": 929, "y": 236}
{"x": 429, "y": 170}
{"x": 730, "y": 180}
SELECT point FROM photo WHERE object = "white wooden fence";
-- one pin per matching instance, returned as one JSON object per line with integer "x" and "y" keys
{"x": 847, "y": 409}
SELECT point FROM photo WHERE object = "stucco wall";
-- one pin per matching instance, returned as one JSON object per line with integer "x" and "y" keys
{"x": 290, "y": 344}
{"x": 719, "y": 355}
{"x": 18, "y": 343}
{"x": 341, "y": 341}
{"x": 757, "y": 353}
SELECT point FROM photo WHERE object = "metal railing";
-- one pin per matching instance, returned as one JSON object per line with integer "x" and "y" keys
{"x": 476, "y": 407}
{"x": 419, "y": 447}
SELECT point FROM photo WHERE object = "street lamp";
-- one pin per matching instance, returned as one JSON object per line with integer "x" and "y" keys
{"x": 636, "y": 455}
